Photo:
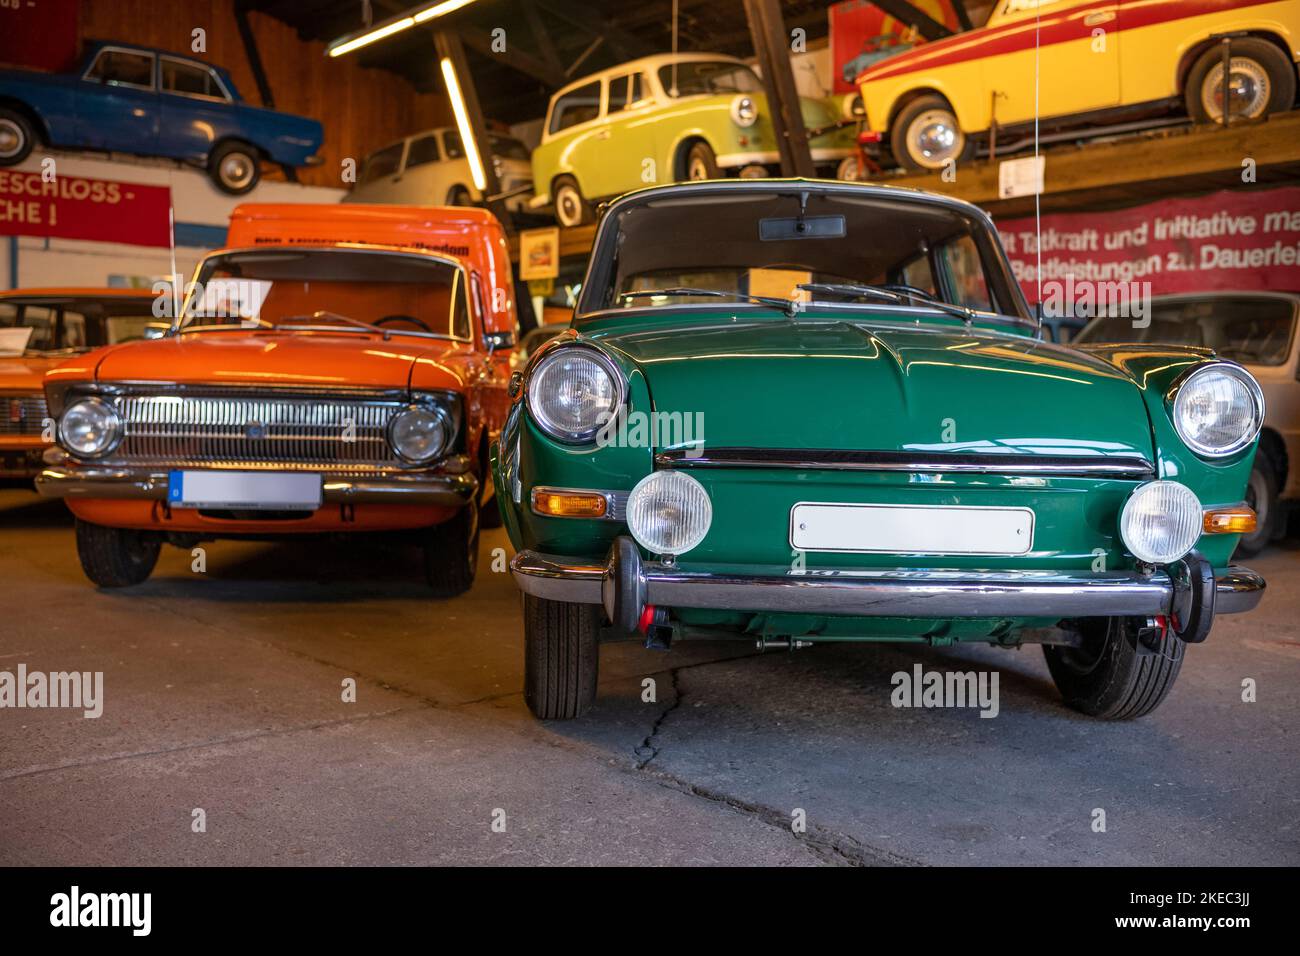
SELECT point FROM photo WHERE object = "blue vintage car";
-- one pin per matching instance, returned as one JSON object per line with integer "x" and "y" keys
{"x": 134, "y": 99}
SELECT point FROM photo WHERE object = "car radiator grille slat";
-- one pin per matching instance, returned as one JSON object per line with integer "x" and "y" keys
{"x": 228, "y": 429}
{"x": 22, "y": 414}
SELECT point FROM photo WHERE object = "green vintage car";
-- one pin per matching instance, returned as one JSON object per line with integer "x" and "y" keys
{"x": 797, "y": 412}
{"x": 664, "y": 119}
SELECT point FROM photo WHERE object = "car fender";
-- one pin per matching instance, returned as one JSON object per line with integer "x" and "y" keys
{"x": 49, "y": 100}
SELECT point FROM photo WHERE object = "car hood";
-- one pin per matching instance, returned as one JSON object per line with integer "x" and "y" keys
{"x": 826, "y": 383}
{"x": 308, "y": 359}
{"x": 26, "y": 373}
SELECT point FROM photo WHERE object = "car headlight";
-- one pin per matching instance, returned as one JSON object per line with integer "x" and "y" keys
{"x": 744, "y": 111}
{"x": 419, "y": 434}
{"x": 1218, "y": 410}
{"x": 669, "y": 512}
{"x": 1161, "y": 522}
{"x": 852, "y": 107}
{"x": 90, "y": 428}
{"x": 574, "y": 391}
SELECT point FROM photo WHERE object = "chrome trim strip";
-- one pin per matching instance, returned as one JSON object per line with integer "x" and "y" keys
{"x": 1083, "y": 466}
{"x": 889, "y": 592}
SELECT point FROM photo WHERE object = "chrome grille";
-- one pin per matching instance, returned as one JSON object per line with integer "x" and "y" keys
{"x": 231, "y": 429}
{"x": 22, "y": 414}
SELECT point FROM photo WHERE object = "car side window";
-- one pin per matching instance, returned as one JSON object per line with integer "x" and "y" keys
{"x": 460, "y": 323}
{"x": 74, "y": 330}
{"x": 190, "y": 79}
{"x": 424, "y": 149}
{"x": 382, "y": 164}
{"x": 451, "y": 143}
{"x": 624, "y": 91}
{"x": 123, "y": 68}
{"x": 964, "y": 269}
{"x": 576, "y": 106}
{"x": 918, "y": 274}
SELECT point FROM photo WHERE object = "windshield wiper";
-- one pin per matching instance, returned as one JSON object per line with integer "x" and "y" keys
{"x": 788, "y": 306}
{"x": 896, "y": 293}
{"x": 258, "y": 323}
{"x": 322, "y": 315}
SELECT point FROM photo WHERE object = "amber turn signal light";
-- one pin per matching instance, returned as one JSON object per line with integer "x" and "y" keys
{"x": 569, "y": 504}
{"x": 1239, "y": 519}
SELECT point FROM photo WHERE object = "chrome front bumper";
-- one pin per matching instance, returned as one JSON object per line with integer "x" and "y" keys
{"x": 874, "y": 593}
{"x": 452, "y": 489}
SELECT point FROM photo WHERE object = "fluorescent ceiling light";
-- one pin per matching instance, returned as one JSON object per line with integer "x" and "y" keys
{"x": 462, "y": 124}
{"x": 422, "y": 15}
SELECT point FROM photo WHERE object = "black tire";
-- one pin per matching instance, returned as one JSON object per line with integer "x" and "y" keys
{"x": 451, "y": 553}
{"x": 459, "y": 196}
{"x": 1258, "y": 59}
{"x": 1261, "y": 494}
{"x": 17, "y": 137}
{"x": 1107, "y": 677}
{"x": 571, "y": 208}
{"x": 116, "y": 557}
{"x": 561, "y": 657}
{"x": 701, "y": 163}
{"x": 909, "y": 154}
{"x": 235, "y": 168}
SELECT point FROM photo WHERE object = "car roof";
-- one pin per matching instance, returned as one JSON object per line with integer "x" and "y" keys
{"x": 648, "y": 64}
{"x": 76, "y": 292}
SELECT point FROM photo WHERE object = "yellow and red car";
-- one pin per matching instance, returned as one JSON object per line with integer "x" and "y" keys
{"x": 1096, "y": 61}
{"x": 39, "y": 328}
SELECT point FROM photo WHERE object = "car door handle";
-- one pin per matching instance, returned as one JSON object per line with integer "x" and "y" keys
{"x": 1103, "y": 16}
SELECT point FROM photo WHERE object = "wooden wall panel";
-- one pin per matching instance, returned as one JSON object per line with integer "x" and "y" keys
{"x": 362, "y": 109}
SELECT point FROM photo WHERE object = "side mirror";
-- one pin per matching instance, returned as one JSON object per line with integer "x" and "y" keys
{"x": 156, "y": 330}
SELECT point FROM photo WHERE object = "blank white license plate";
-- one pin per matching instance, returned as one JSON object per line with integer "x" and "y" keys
{"x": 255, "y": 490}
{"x": 911, "y": 529}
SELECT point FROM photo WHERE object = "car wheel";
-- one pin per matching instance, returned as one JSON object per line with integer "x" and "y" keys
{"x": 701, "y": 163}
{"x": 459, "y": 196}
{"x": 451, "y": 553}
{"x": 235, "y": 168}
{"x": 1107, "y": 676}
{"x": 570, "y": 208}
{"x": 17, "y": 137}
{"x": 926, "y": 135}
{"x": 1261, "y": 80}
{"x": 116, "y": 557}
{"x": 1261, "y": 495}
{"x": 561, "y": 657}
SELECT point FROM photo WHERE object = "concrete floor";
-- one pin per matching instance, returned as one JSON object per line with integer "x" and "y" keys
{"x": 223, "y": 692}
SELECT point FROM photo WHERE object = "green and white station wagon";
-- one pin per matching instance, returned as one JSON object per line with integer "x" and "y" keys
{"x": 796, "y": 411}
{"x": 664, "y": 119}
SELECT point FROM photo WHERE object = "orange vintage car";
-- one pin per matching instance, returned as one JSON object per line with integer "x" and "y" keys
{"x": 39, "y": 328}
{"x": 337, "y": 369}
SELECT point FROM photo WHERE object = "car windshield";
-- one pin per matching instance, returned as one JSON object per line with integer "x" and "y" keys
{"x": 507, "y": 147}
{"x": 1256, "y": 330}
{"x": 691, "y": 78}
{"x": 840, "y": 247}
{"x": 399, "y": 292}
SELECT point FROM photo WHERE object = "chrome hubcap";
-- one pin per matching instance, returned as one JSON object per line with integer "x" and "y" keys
{"x": 1248, "y": 90}
{"x": 11, "y": 138}
{"x": 935, "y": 138}
{"x": 237, "y": 170}
{"x": 568, "y": 207}
{"x": 697, "y": 169}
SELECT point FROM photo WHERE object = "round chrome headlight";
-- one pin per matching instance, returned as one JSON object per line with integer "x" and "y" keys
{"x": 572, "y": 392}
{"x": 419, "y": 434}
{"x": 1161, "y": 522}
{"x": 669, "y": 512}
{"x": 1218, "y": 410}
{"x": 744, "y": 111}
{"x": 90, "y": 428}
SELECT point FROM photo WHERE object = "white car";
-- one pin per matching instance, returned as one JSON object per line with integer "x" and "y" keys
{"x": 430, "y": 169}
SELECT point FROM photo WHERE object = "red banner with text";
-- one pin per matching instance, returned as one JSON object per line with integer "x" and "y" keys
{"x": 73, "y": 207}
{"x": 1226, "y": 241}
